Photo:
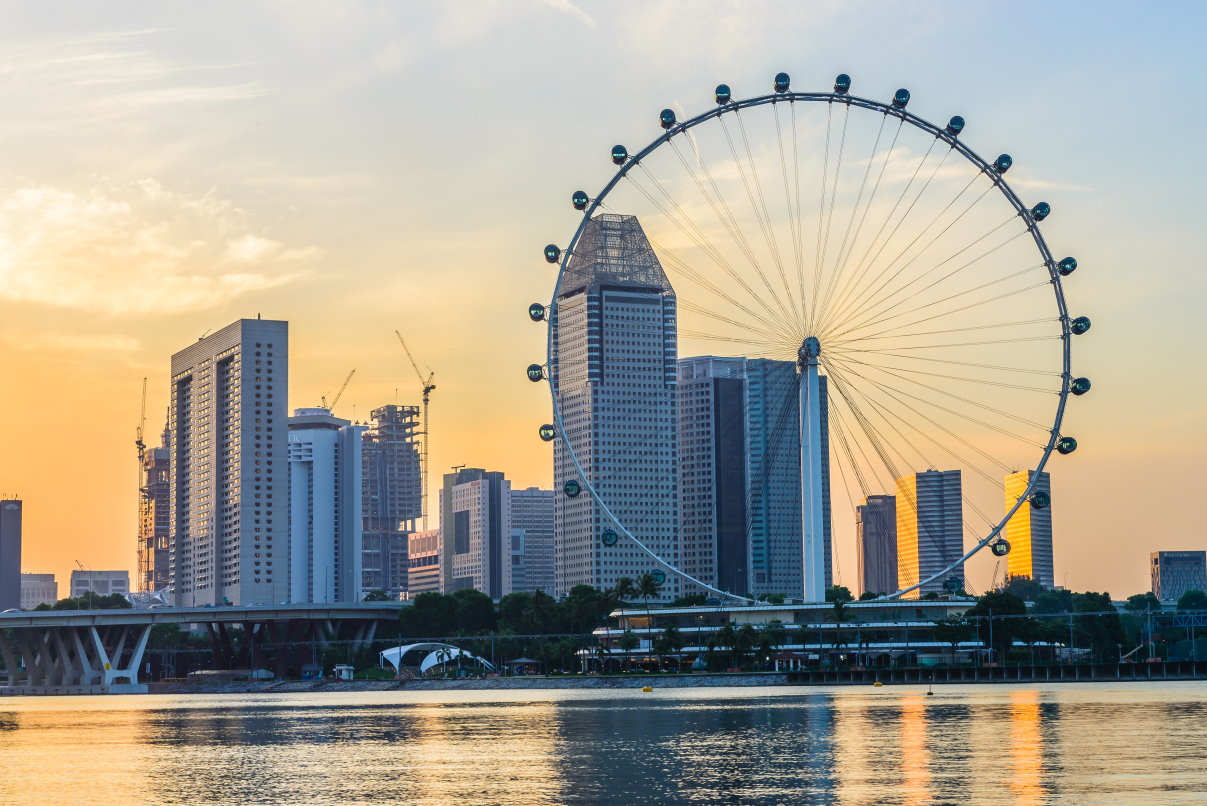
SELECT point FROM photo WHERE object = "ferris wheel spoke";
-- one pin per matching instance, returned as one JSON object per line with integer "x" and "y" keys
{"x": 980, "y": 381}
{"x": 769, "y": 337}
{"x": 797, "y": 232}
{"x": 824, "y": 245}
{"x": 883, "y": 333}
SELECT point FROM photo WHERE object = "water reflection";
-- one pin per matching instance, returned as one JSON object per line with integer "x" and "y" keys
{"x": 771, "y": 746}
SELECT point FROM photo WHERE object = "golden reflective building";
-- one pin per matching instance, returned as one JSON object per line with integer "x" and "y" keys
{"x": 1029, "y": 531}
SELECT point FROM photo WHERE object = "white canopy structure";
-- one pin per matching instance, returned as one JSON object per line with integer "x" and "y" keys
{"x": 437, "y": 654}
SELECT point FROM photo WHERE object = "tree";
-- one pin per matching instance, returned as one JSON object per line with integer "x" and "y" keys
{"x": 539, "y": 610}
{"x": 1054, "y": 601}
{"x": 648, "y": 587}
{"x": 772, "y": 598}
{"x": 378, "y": 596}
{"x": 1142, "y": 602}
{"x": 674, "y": 642}
{"x": 839, "y": 593}
{"x": 868, "y": 595}
{"x": 1192, "y": 600}
{"x": 475, "y": 613}
{"x": 691, "y": 600}
{"x": 1024, "y": 587}
{"x": 727, "y": 638}
{"x": 625, "y": 590}
{"x": 953, "y": 630}
{"x": 745, "y": 640}
{"x": 601, "y": 653}
{"x": 629, "y": 641}
{"x": 1003, "y": 630}
{"x": 1103, "y": 632}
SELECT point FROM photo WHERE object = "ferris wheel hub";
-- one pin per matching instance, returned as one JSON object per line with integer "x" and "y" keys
{"x": 809, "y": 350}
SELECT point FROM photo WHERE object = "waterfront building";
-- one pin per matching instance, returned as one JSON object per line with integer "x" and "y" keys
{"x": 154, "y": 515}
{"x": 10, "y": 554}
{"x": 423, "y": 559}
{"x": 38, "y": 589}
{"x": 99, "y": 583}
{"x": 1175, "y": 572}
{"x": 391, "y": 497}
{"x": 226, "y": 502}
{"x": 1029, "y": 531}
{"x": 613, "y": 370}
{"x": 930, "y": 528}
{"x": 876, "y": 544}
{"x": 324, "y": 549}
{"x": 532, "y": 523}
{"x": 475, "y": 507}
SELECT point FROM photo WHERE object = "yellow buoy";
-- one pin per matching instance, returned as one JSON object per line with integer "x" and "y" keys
{"x": 646, "y": 688}
{"x": 877, "y": 683}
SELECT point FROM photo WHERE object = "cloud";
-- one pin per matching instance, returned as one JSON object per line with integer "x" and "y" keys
{"x": 570, "y": 8}
{"x": 138, "y": 249}
{"x": 72, "y": 343}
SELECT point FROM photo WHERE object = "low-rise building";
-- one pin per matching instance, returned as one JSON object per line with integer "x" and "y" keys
{"x": 99, "y": 583}
{"x": 38, "y": 589}
{"x": 423, "y": 558}
{"x": 1175, "y": 572}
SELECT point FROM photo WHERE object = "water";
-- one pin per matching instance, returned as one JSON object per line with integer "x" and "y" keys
{"x": 1084, "y": 744}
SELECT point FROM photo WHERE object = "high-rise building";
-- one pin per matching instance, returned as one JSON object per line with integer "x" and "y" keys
{"x": 10, "y": 554}
{"x": 325, "y": 514}
{"x": 1029, "y": 531}
{"x": 154, "y": 516}
{"x": 37, "y": 589}
{"x": 532, "y": 521}
{"x": 228, "y": 474}
{"x": 1175, "y": 572}
{"x": 423, "y": 559}
{"x": 475, "y": 507}
{"x": 876, "y": 544}
{"x": 99, "y": 583}
{"x": 613, "y": 370}
{"x": 930, "y": 528}
{"x": 392, "y": 496}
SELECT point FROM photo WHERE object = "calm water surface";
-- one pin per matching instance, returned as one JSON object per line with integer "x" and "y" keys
{"x": 1117, "y": 744}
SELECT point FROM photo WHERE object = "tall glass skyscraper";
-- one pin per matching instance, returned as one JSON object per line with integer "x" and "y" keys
{"x": 1029, "y": 531}
{"x": 876, "y": 544}
{"x": 613, "y": 369}
{"x": 930, "y": 528}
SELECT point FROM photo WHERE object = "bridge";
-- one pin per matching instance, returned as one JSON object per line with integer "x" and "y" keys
{"x": 100, "y": 651}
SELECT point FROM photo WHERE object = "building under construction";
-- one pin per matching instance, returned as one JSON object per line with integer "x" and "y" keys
{"x": 153, "y": 517}
{"x": 391, "y": 496}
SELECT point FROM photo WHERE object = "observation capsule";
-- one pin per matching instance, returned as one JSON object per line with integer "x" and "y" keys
{"x": 536, "y": 311}
{"x": 552, "y": 253}
{"x": 536, "y": 373}
{"x": 842, "y": 84}
{"x": 955, "y": 126}
{"x": 609, "y": 537}
{"x": 1068, "y": 265}
{"x": 1000, "y": 549}
{"x": 547, "y": 432}
{"x": 619, "y": 154}
{"x": 1080, "y": 325}
{"x": 667, "y": 118}
{"x": 1066, "y": 445}
{"x": 659, "y": 575}
{"x": 573, "y": 488}
{"x": 579, "y": 200}
{"x": 1002, "y": 163}
{"x": 953, "y": 584}
{"x": 723, "y": 94}
{"x": 901, "y": 98}
{"x": 1041, "y": 500}
{"x": 782, "y": 82}
{"x": 1041, "y": 211}
{"x": 1080, "y": 386}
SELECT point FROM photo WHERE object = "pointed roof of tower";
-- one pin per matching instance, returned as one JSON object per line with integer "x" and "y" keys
{"x": 613, "y": 251}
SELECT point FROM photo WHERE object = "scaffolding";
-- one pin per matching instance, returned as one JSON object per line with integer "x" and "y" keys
{"x": 391, "y": 496}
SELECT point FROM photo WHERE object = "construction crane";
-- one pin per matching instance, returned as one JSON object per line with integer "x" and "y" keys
{"x": 428, "y": 386}
{"x": 338, "y": 394}
{"x": 144, "y": 551}
{"x": 142, "y": 423}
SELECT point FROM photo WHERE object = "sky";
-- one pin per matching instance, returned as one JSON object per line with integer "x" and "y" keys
{"x": 361, "y": 168}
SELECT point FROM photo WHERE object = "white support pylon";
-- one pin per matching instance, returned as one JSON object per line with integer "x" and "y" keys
{"x": 813, "y": 550}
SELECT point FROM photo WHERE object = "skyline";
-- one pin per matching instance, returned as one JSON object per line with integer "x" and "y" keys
{"x": 127, "y": 235}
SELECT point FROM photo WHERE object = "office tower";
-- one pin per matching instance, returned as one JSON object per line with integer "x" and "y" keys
{"x": 228, "y": 395}
{"x": 423, "y": 559}
{"x": 37, "y": 589}
{"x": 712, "y": 473}
{"x": 10, "y": 554}
{"x": 475, "y": 507}
{"x": 325, "y": 515}
{"x": 154, "y": 516}
{"x": 99, "y": 583}
{"x": 1175, "y": 572}
{"x": 1029, "y": 531}
{"x": 532, "y": 518}
{"x": 613, "y": 369}
{"x": 392, "y": 496}
{"x": 876, "y": 544}
{"x": 930, "y": 528}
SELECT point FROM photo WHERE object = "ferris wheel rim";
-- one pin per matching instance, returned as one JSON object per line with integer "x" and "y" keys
{"x": 887, "y": 109}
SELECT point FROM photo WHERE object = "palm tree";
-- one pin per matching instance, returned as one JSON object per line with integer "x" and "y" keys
{"x": 727, "y": 637}
{"x": 625, "y": 590}
{"x": 648, "y": 587}
{"x": 674, "y": 642}
{"x": 629, "y": 641}
{"x": 747, "y": 637}
{"x": 540, "y": 608}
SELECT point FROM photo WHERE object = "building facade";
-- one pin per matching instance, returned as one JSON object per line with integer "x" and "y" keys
{"x": 99, "y": 583}
{"x": 1029, "y": 531}
{"x": 324, "y": 552}
{"x": 532, "y": 520}
{"x": 37, "y": 589}
{"x": 228, "y": 474}
{"x": 391, "y": 497}
{"x": 614, "y": 373}
{"x": 477, "y": 529}
{"x": 10, "y": 554}
{"x": 1175, "y": 572}
{"x": 930, "y": 528}
{"x": 876, "y": 544}
{"x": 154, "y": 516}
{"x": 423, "y": 559}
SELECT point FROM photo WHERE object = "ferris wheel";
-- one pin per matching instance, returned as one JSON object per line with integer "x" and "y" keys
{"x": 861, "y": 295}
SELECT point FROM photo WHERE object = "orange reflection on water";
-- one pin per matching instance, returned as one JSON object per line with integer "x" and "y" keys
{"x": 915, "y": 758}
{"x": 1026, "y": 760}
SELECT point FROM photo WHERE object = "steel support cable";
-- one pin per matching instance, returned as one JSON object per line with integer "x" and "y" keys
{"x": 825, "y": 244}
{"x": 727, "y": 219}
{"x": 800, "y": 236}
{"x": 869, "y": 301}
{"x": 1020, "y": 323}
{"x": 793, "y": 212}
{"x": 1046, "y": 372}
{"x": 839, "y": 262}
{"x": 936, "y": 267}
{"x": 1017, "y": 340}
{"x": 982, "y": 381}
{"x": 855, "y": 466}
{"x": 821, "y": 214}
{"x": 708, "y": 314}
